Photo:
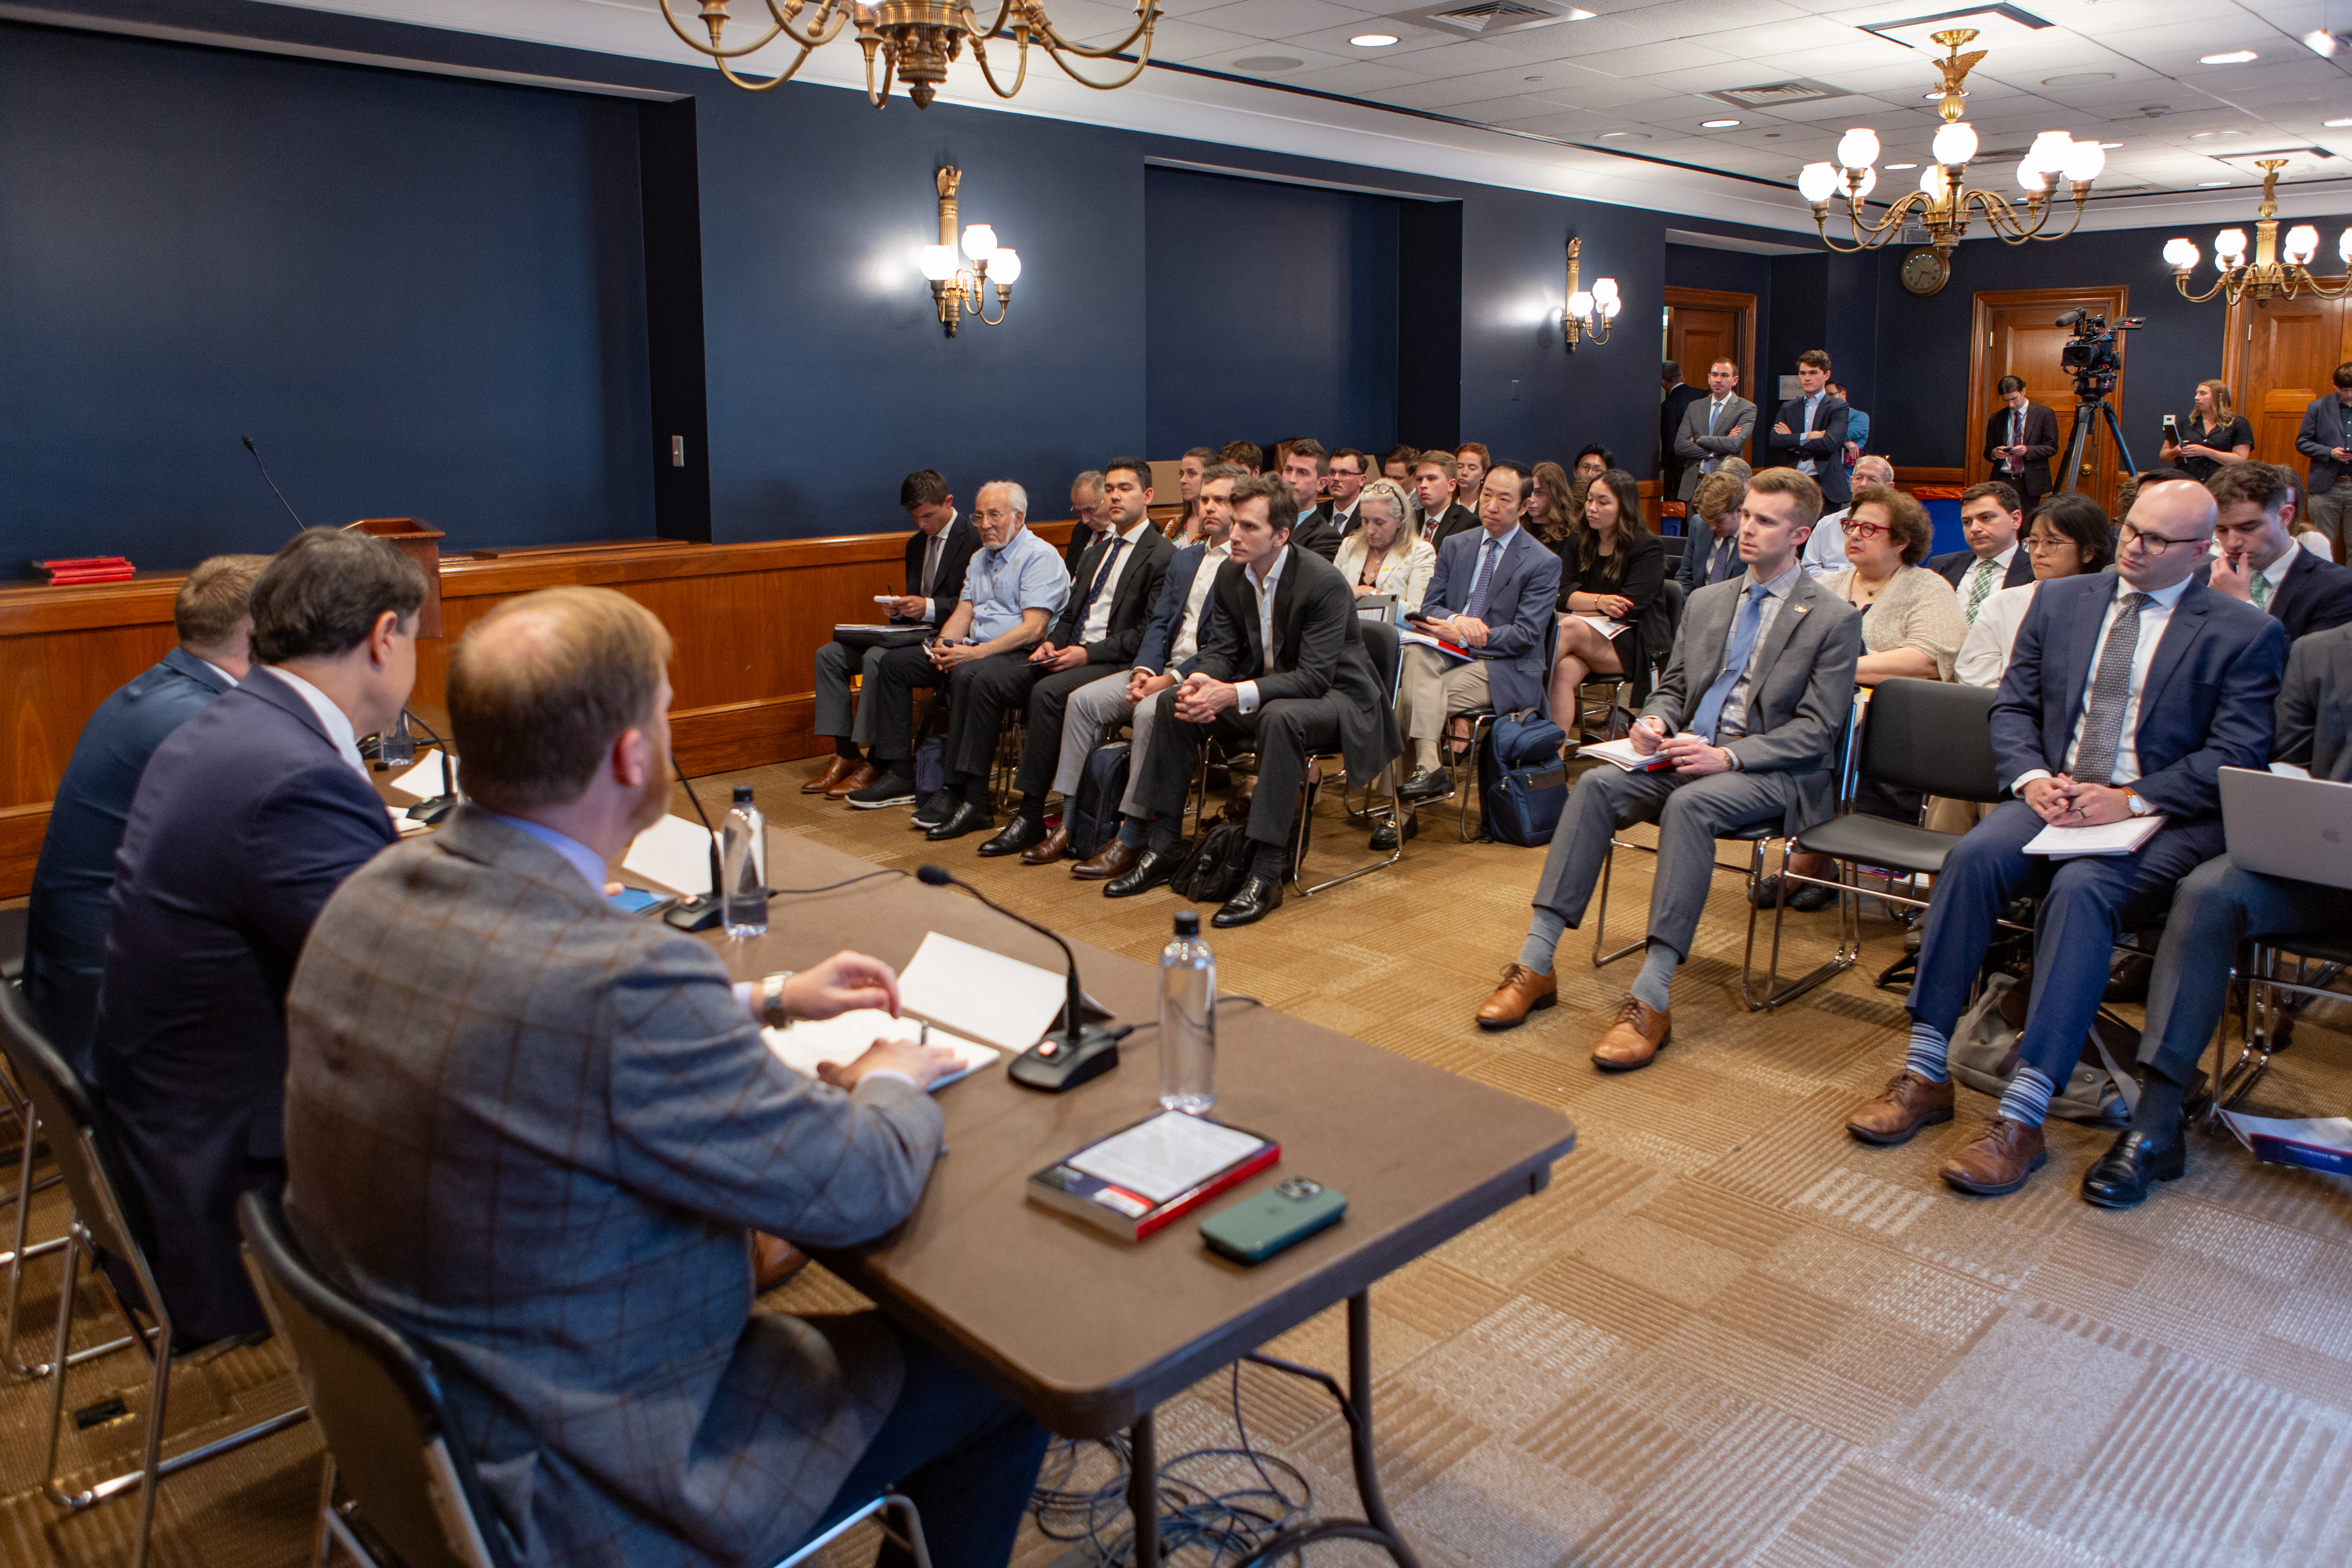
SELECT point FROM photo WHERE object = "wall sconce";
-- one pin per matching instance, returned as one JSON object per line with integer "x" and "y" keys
{"x": 958, "y": 290}
{"x": 1588, "y": 315}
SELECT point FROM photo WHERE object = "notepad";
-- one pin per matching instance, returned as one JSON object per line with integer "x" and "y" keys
{"x": 1424, "y": 640}
{"x": 2123, "y": 838}
{"x": 428, "y": 780}
{"x": 1621, "y": 753}
{"x": 674, "y": 853}
{"x": 980, "y": 994}
{"x": 1605, "y": 627}
{"x": 843, "y": 1039}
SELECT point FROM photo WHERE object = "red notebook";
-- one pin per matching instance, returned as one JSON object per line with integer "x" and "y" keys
{"x": 86, "y": 569}
{"x": 1144, "y": 1177}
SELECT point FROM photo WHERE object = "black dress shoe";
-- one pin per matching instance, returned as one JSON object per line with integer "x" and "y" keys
{"x": 1259, "y": 897}
{"x": 1804, "y": 897}
{"x": 1384, "y": 836}
{"x": 1152, "y": 869}
{"x": 1018, "y": 834}
{"x": 1428, "y": 784}
{"x": 935, "y": 810}
{"x": 2126, "y": 1172}
{"x": 969, "y": 817}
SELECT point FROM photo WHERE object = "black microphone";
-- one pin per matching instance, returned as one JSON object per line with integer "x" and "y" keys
{"x": 701, "y": 912}
{"x": 1069, "y": 1056}
{"x": 299, "y": 524}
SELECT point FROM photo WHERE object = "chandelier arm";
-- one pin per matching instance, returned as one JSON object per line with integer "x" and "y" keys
{"x": 1067, "y": 69}
{"x": 727, "y": 69}
{"x": 817, "y": 38}
{"x": 995, "y": 28}
{"x": 712, "y": 49}
{"x": 1149, "y": 17}
{"x": 889, "y": 76}
{"x": 980, "y": 54}
{"x": 1004, "y": 309}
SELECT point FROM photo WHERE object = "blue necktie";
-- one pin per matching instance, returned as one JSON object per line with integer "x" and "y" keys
{"x": 1726, "y": 563}
{"x": 1476, "y": 608}
{"x": 1735, "y": 664}
{"x": 1109, "y": 558}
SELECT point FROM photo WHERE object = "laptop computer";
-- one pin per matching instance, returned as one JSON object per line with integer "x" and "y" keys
{"x": 2279, "y": 825}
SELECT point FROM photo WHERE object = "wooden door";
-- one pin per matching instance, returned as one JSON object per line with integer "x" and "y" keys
{"x": 2277, "y": 357}
{"x": 2016, "y": 333}
{"x": 1703, "y": 325}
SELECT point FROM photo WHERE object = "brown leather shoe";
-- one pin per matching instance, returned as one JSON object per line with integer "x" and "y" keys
{"x": 837, "y": 770}
{"x": 1521, "y": 992}
{"x": 1050, "y": 848}
{"x": 1636, "y": 1038}
{"x": 773, "y": 1261}
{"x": 1997, "y": 1160}
{"x": 1105, "y": 863}
{"x": 864, "y": 777}
{"x": 1907, "y": 1103}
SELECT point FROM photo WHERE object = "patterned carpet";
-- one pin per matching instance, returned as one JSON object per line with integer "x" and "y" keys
{"x": 1729, "y": 1333}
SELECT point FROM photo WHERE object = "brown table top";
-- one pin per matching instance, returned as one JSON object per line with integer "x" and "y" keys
{"x": 1089, "y": 1331}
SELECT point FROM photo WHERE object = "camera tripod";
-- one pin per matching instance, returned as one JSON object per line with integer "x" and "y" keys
{"x": 2079, "y": 441}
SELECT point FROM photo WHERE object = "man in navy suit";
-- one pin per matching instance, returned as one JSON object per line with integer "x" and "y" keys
{"x": 2125, "y": 695}
{"x": 2326, "y": 437}
{"x": 65, "y": 935}
{"x": 1493, "y": 595}
{"x": 247, "y": 818}
{"x": 2256, "y": 557}
{"x": 1810, "y": 433}
{"x": 1990, "y": 518}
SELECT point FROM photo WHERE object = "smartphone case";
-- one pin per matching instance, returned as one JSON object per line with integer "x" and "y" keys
{"x": 1257, "y": 1227}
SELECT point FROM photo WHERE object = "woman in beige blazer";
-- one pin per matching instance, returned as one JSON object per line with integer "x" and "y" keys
{"x": 1383, "y": 555}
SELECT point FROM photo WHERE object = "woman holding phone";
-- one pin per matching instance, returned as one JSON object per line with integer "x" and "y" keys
{"x": 2215, "y": 434}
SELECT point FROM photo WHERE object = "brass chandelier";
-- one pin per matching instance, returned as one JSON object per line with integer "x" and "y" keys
{"x": 915, "y": 38}
{"x": 2266, "y": 277}
{"x": 1945, "y": 202}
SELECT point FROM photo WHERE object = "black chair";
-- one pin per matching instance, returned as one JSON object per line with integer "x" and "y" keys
{"x": 1926, "y": 735}
{"x": 108, "y": 1216}
{"x": 12, "y": 945}
{"x": 2319, "y": 958}
{"x": 399, "y": 1465}
{"x": 1386, "y": 651}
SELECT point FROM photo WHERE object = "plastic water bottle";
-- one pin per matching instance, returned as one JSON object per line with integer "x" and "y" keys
{"x": 743, "y": 862}
{"x": 1188, "y": 1019}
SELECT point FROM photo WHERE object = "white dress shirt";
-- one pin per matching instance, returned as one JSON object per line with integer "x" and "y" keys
{"x": 1984, "y": 652}
{"x": 224, "y": 675}
{"x": 1997, "y": 569}
{"x": 933, "y": 548}
{"x": 2155, "y": 615}
{"x": 339, "y": 725}
{"x": 1266, "y": 592}
{"x": 1825, "y": 547}
{"x": 1097, "y": 626}
{"x": 1188, "y": 630}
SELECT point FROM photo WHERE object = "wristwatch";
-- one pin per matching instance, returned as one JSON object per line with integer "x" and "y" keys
{"x": 2138, "y": 805}
{"x": 771, "y": 999}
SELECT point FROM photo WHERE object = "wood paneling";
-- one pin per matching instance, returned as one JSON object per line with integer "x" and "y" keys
{"x": 748, "y": 620}
{"x": 2278, "y": 356}
{"x": 2014, "y": 331}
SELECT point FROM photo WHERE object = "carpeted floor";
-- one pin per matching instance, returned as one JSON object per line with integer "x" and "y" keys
{"x": 1728, "y": 1334}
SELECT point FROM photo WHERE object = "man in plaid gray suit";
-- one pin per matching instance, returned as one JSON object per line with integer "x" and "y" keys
{"x": 534, "y": 1134}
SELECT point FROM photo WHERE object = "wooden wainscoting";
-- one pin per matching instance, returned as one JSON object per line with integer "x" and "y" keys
{"x": 748, "y": 620}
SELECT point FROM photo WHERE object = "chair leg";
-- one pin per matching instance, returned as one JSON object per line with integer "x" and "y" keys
{"x": 1479, "y": 728}
{"x": 65, "y": 1290}
{"x": 1600, "y": 917}
{"x": 1396, "y": 815}
{"x": 1849, "y": 948}
{"x": 150, "y": 1474}
{"x": 17, "y": 1256}
{"x": 910, "y": 1530}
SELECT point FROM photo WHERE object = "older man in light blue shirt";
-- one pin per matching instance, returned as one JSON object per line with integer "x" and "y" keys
{"x": 1013, "y": 588}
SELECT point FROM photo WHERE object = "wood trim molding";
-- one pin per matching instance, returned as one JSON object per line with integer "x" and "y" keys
{"x": 1726, "y": 299}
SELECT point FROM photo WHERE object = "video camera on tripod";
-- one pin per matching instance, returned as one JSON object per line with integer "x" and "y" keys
{"x": 2090, "y": 355}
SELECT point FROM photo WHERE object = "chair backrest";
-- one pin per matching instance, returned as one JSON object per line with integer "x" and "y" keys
{"x": 13, "y": 925}
{"x": 1387, "y": 652}
{"x": 378, "y": 1405}
{"x": 1674, "y": 543}
{"x": 107, "y": 1203}
{"x": 1931, "y": 735}
{"x": 1671, "y": 593}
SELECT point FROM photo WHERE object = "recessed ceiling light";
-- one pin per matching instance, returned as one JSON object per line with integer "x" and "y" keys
{"x": 1268, "y": 62}
{"x": 1898, "y": 168}
{"x": 2234, "y": 58}
{"x": 2334, "y": 125}
{"x": 2208, "y": 184}
{"x": 1716, "y": 124}
{"x": 1373, "y": 40}
{"x": 2118, "y": 143}
{"x": 2078, "y": 78}
{"x": 1531, "y": 78}
{"x": 2209, "y": 135}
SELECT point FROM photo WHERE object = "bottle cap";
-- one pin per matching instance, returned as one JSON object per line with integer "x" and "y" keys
{"x": 1188, "y": 923}
{"x": 742, "y": 794}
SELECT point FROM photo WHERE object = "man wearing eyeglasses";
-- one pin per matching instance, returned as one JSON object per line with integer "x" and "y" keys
{"x": 2126, "y": 694}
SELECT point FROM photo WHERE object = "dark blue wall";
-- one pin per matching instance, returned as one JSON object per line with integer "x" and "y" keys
{"x": 421, "y": 296}
{"x": 1268, "y": 309}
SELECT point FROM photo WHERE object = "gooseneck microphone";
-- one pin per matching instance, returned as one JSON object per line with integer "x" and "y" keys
{"x": 1068, "y": 1057}
{"x": 701, "y": 912}
{"x": 299, "y": 524}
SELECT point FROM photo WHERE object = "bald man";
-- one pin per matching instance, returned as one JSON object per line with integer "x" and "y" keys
{"x": 2127, "y": 693}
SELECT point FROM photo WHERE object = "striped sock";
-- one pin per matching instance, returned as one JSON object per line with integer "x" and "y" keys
{"x": 2028, "y": 1099}
{"x": 1927, "y": 1053}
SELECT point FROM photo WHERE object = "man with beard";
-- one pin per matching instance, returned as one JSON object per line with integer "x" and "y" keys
{"x": 531, "y": 1133}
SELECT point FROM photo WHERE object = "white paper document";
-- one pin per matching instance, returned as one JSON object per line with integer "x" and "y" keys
{"x": 998, "y": 1000}
{"x": 428, "y": 780}
{"x": 673, "y": 852}
{"x": 2123, "y": 838}
{"x": 844, "y": 1039}
{"x": 2290, "y": 770}
{"x": 1423, "y": 639}
{"x": 1605, "y": 627}
{"x": 1170, "y": 1153}
{"x": 1623, "y": 754}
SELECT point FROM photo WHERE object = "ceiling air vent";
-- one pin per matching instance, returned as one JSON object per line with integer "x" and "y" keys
{"x": 1486, "y": 18}
{"x": 1779, "y": 94}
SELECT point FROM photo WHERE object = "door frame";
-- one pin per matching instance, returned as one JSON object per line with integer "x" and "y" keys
{"x": 1725, "y": 299}
{"x": 2238, "y": 342}
{"x": 2113, "y": 299}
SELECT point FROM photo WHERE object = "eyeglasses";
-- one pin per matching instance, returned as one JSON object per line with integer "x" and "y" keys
{"x": 1000, "y": 514}
{"x": 2036, "y": 544}
{"x": 1865, "y": 530}
{"x": 2154, "y": 543}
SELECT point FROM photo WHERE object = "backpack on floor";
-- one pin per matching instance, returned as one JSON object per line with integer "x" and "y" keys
{"x": 930, "y": 767}
{"x": 1522, "y": 782}
{"x": 1215, "y": 864}
{"x": 1983, "y": 1054}
{"x": 1093, "y": 818}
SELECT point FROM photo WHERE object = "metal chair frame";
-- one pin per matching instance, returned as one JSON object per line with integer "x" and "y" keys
{"x": 1302, "y": 826}
{"x": 2260, "y": 1011}
{"x": 1482, "y": 719}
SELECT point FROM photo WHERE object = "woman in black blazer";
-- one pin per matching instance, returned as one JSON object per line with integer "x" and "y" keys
{"x": 1612, "y": 566}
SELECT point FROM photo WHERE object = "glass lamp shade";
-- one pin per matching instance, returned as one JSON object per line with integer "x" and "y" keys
{"x": 1869, "y": 183}
{"x": 1604, "y": 291}
{"x": 2229, "y": 246}
{"x": 1005, "y": 267}
{"x": 2180, "y": 255}
{"x": 2030, "y": 177}
{"x": 2302, "y": 243}
{"x": 1931, "y": 182}
{"x": 1610, "y": 307}
{"x": 1579, "y": 304}
{"x": 937, "y": 262}
{"x": 1955, "y": 144}
{"x": 979, "y": 241}
{"x": 1817, "y": 181}
{"x": 2084, "y": 160}
{"x": 2344, "y": 246}
{"x": 2049, "y": 150}
{"x": 1858, "y": 148}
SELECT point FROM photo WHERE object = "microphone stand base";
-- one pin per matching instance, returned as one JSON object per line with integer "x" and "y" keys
{"x": 1071, "y": 1062}
{"x": 698, "y": 913}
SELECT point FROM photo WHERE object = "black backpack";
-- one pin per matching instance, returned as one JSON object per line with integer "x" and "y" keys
{"x": 1093, "y": 818}
{"x": 1215, "y": 865}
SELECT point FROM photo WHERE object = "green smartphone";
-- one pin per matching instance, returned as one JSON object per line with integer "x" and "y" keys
{"x": 1255, "y": 1229}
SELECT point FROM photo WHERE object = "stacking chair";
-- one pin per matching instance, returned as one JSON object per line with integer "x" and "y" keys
{"x": 396, "y": 1466}
{"x": 1926, "y": 735}
{"x": 108, "y": 1215}
{"x": 2264, "y": 1015}
{"x": 1387, "y": 653}
{"x": 1482, "y": 719}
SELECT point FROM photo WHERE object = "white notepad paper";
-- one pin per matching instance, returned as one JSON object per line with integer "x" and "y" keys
{"x": 842, "y": 1040}
{"x": 428, "y": 780}
{"x": 674, "y": 853}
{"x": 2123, "y": 838}
{"x": 983, "y": 994}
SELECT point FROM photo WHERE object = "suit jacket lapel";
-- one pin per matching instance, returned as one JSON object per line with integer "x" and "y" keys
{"x": 2078, "y": 637}
{"x": 1783, "y": 628}
{"x": 2297, "y": 578}
{"x": 2180, "y": 628}
{"x": 1285, "y": 591}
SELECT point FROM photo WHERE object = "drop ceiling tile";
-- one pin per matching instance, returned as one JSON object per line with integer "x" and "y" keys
{"x": 1186, "y": 43}
{"x": 1273, "y": 18}
{"x": 1356, "y": 78}
{"x": 1464, "y": 58}
{"x": 1653, "y": 59}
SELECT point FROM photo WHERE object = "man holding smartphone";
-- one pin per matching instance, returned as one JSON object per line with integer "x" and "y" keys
{"x": 2326, "y": 437}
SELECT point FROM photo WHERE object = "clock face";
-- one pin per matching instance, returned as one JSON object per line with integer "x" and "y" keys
{"x": 1924, "y": 271}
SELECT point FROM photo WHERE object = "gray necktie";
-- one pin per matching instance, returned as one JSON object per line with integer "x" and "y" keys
{"x": 2103, "y": 726}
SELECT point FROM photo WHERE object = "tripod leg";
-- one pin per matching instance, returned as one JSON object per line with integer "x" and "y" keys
{"x": 2075, "y": 443}
{"x": 2115, "y": 428}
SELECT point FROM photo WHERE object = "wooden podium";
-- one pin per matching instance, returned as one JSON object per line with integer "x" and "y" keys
{"x": 421, "y": 542}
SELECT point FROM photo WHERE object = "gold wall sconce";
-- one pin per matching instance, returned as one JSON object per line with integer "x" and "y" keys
{"x": 958, "y": 291}
{"x": 1588, "y": 313}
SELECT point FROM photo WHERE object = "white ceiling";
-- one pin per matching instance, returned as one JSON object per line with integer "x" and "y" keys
{"x": 1552, "y": 108}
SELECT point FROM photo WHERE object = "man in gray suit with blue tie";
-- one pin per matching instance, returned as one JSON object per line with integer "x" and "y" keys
{"x": 1741, "y": 732}
{"x": 1713, "y": 428}
{"x": 534, "y": 1134}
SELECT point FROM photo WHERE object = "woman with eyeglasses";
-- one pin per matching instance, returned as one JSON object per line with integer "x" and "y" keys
{"x": 2069, "y": 536}
{"x": 1383, "y": 556}
{"x": 2215, "y": 434}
